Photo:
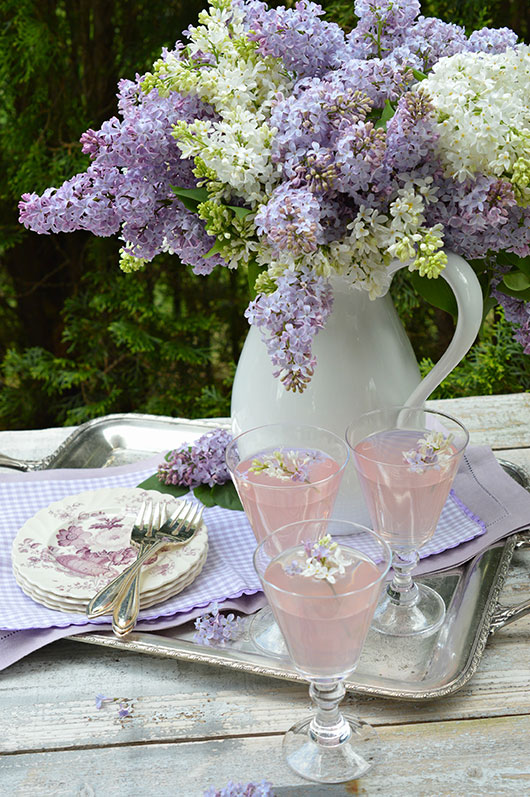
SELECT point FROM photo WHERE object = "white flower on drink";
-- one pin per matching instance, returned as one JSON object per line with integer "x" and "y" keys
{"x": 324, "y": 561}
{"x": 433, "y": 449}
{"x": 286, "y": 465}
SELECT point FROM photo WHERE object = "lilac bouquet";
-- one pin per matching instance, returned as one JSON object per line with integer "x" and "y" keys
{"x": 272, "y": 141}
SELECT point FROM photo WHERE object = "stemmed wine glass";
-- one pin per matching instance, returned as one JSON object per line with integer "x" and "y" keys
{"x": 406, "y": 459}
{"x": 282, "y": 473}
{"x": 323, "y": 579}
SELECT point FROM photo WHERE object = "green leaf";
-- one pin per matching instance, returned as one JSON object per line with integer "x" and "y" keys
{"x": 386, "y": 115}
{"x": 225, "y": 495}
{"x": 523, "y": 295}
{"x": 419, "y": 75}
{"x": 154, "y": 483}
{"x": 191, "y": 198}
{"x": 197, "y": 194}
{"x": 520, "y": 263}
{"x": 215, "y": 250}
{"x": 437, "y": 292}
{"x": 516, "y": 281}
{"x": 204, "y": 494}
{"x": 254, "y": 270}
{"x": 240, "y": 212}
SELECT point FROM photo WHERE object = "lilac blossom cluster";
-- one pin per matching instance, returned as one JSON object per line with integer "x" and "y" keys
{"x": 214, "y": 628}
{"x": 127, "y": 186}
{"x": 290, "y": 317}
{"x": 203, "y": 462}
{"x": 326, "y": 143}
{"x": 262, "y": 789}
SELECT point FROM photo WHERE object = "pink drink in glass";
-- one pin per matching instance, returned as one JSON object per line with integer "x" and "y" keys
{"x": 271, "y": 502}
{"x": 324, "y": 624}
{"x": 404, "y": 503}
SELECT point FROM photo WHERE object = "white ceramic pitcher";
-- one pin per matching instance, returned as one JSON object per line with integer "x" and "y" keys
{"x": 364, "y": 362}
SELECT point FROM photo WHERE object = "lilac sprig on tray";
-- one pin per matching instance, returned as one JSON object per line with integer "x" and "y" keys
{"x": 324, "y": 561}
{"x": 202, "y": 462}
{"x": 434, "y": 450}
{"x": 263, "y": 789}
{"x": 200, "y": 466}
{"x": 286, "y": 465}
{"x": 217, "y": 629}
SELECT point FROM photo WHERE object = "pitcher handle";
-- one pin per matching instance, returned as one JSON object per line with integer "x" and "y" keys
{"x": 464, "y": 283}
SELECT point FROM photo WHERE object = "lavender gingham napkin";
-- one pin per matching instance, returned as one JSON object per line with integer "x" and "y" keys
{"x": 481, "y": 487}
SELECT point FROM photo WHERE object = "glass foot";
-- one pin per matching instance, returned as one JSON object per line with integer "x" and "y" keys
{"x": 350, "y": 758}
{"x": 422, "y": 617}
{"x": 266, "y": 635}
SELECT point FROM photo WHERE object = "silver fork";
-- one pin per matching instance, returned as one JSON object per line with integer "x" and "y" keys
{"x": 180, "y": 528}
{"x": 148, "y": 517}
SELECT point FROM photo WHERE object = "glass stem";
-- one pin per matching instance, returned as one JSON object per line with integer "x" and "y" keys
{"x": 328, "y": 727}
{"x": 402, "y": 591}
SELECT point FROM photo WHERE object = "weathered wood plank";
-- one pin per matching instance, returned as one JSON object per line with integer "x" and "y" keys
{"x": 499, "y": 421}
{"x": 475, "y": 758}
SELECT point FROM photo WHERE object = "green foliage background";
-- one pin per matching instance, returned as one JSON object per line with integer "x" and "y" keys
{"x": 78, "y": 338}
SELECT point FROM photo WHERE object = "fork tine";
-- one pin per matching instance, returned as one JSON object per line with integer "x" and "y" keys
{"x": 184, "y": 516}
{"x": 154, "y": 519}
{"x": 181, "y": 511}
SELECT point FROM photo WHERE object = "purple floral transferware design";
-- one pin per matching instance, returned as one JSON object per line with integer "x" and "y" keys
{"x": 73, "y": 548}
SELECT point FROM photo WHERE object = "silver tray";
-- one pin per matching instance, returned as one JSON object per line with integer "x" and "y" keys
{"x": 420, "y": 669}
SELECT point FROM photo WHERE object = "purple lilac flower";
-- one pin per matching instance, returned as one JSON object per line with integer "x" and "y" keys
{"x": 291, "y": 220}
{"x": 294, "y": 568}
{"x": 289, "y": 319}
{"x": 123, "y": 710}
{"x": 262, "y": 789}
{"x": 491, "y": 40}
{"x": 428, "y": 40}
{"x": 203, "y": 462}
{"x": 306, "y": 44}
{"x": 217, "y": 629}
{"x": 410, "y": 133}
{"x": 360, "y": 153}
{"x": 100, "y": 699}
{"x": 127, "y": 186}
{"x": 380, "y": 79}
{"x": 382, "y": 25}
{"x": 479, "y": 216}
{"x": 516, "y": 311}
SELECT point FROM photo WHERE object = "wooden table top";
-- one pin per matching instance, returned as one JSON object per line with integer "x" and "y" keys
{"x": 191, "y": 726}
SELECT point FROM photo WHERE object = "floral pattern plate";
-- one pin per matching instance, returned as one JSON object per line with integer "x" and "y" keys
{"x": 75, "y": 546}
{"x": 147, "y": 600}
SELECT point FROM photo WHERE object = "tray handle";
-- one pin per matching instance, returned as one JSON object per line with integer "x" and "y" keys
{"x": 19, "y": 464}
{"x": 504, "y": 615}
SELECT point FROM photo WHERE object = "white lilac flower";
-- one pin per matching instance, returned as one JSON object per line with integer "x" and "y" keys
{"x": 434, "y": 449}
{"x": 286, "y": 465}
{"x": 483, "y": 106}
{"x": 324, "y": 561}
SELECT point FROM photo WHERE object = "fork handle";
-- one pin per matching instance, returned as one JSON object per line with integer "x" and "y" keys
{"x": 127, "y": 604}
{"x": 127, "y": 608}
{"x": 103, "y": 602}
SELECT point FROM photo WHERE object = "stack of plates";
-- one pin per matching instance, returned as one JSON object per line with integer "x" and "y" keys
{"x": 67, "y": 552}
